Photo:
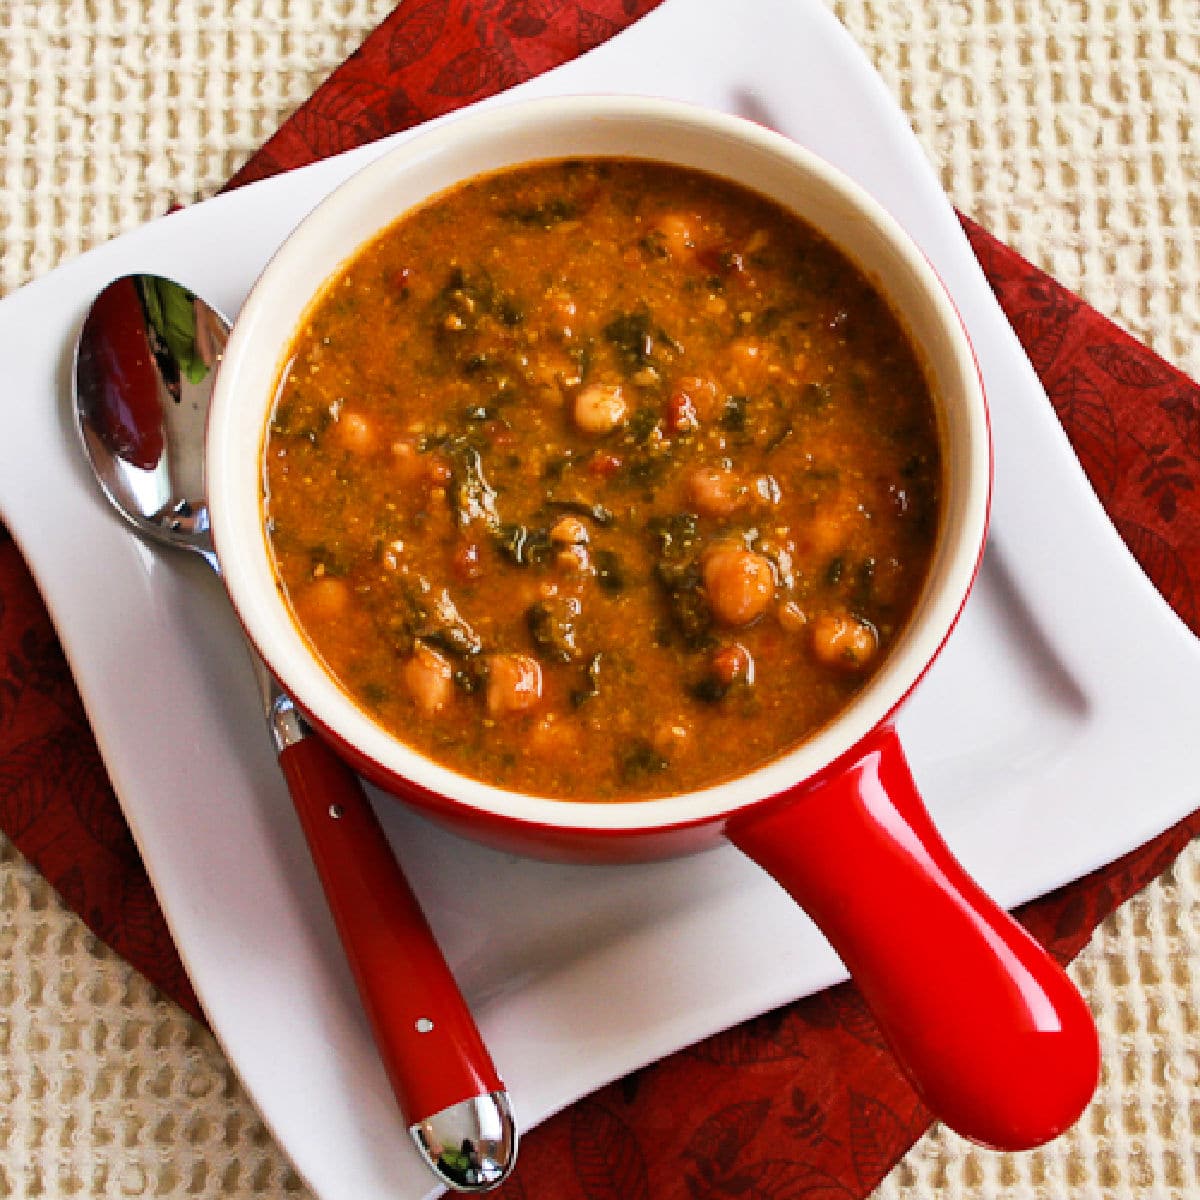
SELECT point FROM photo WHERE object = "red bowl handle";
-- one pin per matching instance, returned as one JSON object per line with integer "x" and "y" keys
{"x": 995, "y": 1038}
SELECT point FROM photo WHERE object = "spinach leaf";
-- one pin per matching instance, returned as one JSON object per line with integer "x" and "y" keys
{"x": 582, "y": 508}
{"x": 473, "y": 497}
{"x": 643, "y": 423}
{"x": 639, "y": 759}
{"x": 544, "y": 215}
{"x": 709, "y": 689}
{"x": 677, "y": 534}
{"x": 552, "y": 627}
{"x": 591, "y": 687}
{"x": 523, "y": 545}
{"x": 432, "y": 617}
{"x": 733, "y": 415}
{"x": 610, "y": 575}
{"x": 678, "y": 572}
{"x": 632, "y": 336}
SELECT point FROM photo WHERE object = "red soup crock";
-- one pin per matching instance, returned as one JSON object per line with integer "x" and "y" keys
{"x": 997, "y": 1041}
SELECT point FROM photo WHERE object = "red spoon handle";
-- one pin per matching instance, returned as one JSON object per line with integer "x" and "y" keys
{"x": 427, "y": 1038}
{"x": 994, "y": 1036}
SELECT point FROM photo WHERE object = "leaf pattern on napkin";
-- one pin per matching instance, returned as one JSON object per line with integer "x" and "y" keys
{"x": 877, "y": 1138}
{"x": 1090, "y": 424}
{"x": 1127, "y": 367}
{"x": 1041, "y": 317}
{"x": 416, "y": 31}
{"x": 808, "y": 1120}
{"x": 84, "y": 778}
{"x": 607, "y": 1155}
{"x": 718, "y": 1142}
{"x": 1166, "y": 566}
{"x": 593, "y": 28}
{"x": 1162, "y": 477}
{"x": 1183, "y": 410}
{"x": 844, "y": 1008}
{"x": 768, "y": 1038}
{"x": 478, "y": 71}
{"x": 322, "y": 125}
{"x": 29, "y": 783}
{"x": 529, "y": 18}
{"x": 39, "y": 664}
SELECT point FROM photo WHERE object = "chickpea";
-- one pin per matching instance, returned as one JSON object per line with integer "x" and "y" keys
{"x": 748, "y": 361}
{"x": 408, "y": 462}
{"x": 670, "y": 736}
{"x": 740, "y": 584}
{"x": 600, "y": 408}
{"x": 791, "y": 616}
{"x": 704, "y": 395}
{"x": 354, "y": 432}
{"x": 732, "y": 664}
{"x": 552, "y": 735}
{"x": 832, "y": 525}
{"x": 825, "y": 533}
{"x": 569, "y": 531}
{"x": 514, "y": 683}
{"x": 429, "y": 679}
{"x": 574, "y": 559}
{"x": 438, "y": 470}
{"x": 715, "y": 491}
{"x": 679, "y": 233}
{"x": 325, "y": 599}
{"x": 840, "y": 640}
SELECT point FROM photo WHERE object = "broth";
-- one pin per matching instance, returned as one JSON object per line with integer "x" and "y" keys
{"x": 601, "y": 479}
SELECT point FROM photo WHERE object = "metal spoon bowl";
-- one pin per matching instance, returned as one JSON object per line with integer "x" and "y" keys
{"x": 145, "y": 363}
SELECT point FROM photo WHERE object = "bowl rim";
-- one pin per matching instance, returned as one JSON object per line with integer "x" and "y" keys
{"x": 263, "y": 331}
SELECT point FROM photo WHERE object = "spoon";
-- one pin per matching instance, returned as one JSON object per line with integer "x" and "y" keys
{"x": 145, "y": 363}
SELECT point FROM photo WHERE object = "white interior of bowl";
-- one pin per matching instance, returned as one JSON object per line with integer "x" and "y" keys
{"x": 574, "y": 127}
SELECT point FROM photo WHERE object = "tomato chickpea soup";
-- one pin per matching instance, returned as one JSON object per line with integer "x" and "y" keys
{"x": 601, "y": 479}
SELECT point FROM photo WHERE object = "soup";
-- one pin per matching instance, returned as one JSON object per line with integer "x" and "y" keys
{"x": 601, "y": 479}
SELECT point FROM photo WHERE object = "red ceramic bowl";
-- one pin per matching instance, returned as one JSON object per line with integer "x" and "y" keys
{"x": 998, "y": 1042}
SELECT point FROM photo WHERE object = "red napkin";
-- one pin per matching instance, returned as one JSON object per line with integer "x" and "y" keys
{"x": 801, "y": 1102}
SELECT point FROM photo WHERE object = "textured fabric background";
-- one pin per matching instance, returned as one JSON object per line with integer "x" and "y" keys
{"x": 1069, "y": 129}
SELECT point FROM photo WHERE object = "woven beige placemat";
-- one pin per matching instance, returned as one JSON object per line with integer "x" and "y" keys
{"x": 1070, "y": 128}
